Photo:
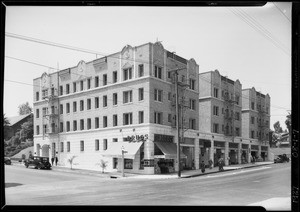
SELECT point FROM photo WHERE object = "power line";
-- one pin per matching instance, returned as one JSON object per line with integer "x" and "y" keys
{"x": 281, "y": 12}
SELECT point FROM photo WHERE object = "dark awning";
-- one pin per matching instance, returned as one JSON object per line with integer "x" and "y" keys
{"x": 169, "y": 149}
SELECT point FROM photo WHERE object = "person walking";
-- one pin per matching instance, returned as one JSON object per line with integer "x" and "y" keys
{"x": 52, "y": 161}
{"x": 221, "y": 164}
{"x": 210, "y": 162}
{"x": 56, "y": 160}
{"x": 202, "y": 166}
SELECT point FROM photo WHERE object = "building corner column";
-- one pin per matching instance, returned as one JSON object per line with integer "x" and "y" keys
{"x": 249, "y": 154}
{"x": 197, "y": 152}
{"x": 226, "y": 154}
{"x": 211, "y": 152}
{"x": 259, "y": 150}
{"x": 239, "y": 153}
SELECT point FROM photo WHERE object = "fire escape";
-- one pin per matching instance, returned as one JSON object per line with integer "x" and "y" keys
{"x": 262, "y": 120}
{"x": 51, "y": 117}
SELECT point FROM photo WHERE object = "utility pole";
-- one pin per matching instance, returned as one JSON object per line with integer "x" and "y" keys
{"x": 177, "y": 123}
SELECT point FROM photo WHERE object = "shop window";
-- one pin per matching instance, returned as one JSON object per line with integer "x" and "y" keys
{"x": 128, "y": 163}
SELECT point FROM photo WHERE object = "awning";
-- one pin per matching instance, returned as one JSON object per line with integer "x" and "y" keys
{"x": 169, "y": 150}
{"x": 115, "y": 149}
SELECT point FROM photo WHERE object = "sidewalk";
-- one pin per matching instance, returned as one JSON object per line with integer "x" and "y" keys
{"x": 184, "y": 173}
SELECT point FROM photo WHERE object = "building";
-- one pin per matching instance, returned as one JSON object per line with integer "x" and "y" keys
{"x": 256, "y": 121}
{"x": 220, "y": 109}
{"x": 15, "y": 124}
{"x": 120, "y": 104}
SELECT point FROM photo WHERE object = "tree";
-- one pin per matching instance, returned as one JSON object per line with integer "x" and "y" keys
{"x": 6, "y": 125}
{"x": 71, "y": 160}
{"x": 102, "y": 164}
{"x": 288, "y": 122}
{"x": 277, "y": 127}
{"x": 26, "y": 131}
{"x": 24, "y": 109}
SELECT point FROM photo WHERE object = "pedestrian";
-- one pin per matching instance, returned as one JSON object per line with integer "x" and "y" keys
{"x": 210, "y": 162}
{"x": 221, "y": 164}
{"x": 52, "y": 160}
{"x": 202, "y": 166}
{"x": 56, "y": 160}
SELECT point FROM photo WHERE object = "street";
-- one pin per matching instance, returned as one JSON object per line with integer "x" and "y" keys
{"x": 240, "y": 187}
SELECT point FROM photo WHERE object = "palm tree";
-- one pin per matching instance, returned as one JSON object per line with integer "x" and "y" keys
{"x": 71, "y": 159}
{"x": 102, "y": 164}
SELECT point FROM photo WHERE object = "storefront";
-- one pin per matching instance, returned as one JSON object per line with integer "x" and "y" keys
{"x": 219, "y": 151}
{"x": 244, "y": 155}
{"x": 264, "y": 153}
{"x": 233, "y": 153}
{"x": 204, "y": 150}
{"x": 254, "y": 151}
{"x": 188, "y": 149}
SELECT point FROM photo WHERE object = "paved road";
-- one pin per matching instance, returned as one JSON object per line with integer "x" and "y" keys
{"x": 240, "y": 187}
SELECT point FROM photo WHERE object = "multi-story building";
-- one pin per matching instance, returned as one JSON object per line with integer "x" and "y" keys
{"x": 220, "y": 118}
{"x": 121, "y": 103}
{"x": 256, "y": 121}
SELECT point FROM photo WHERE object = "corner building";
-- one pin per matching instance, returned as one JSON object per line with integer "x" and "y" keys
{"x": 125, "y": 101}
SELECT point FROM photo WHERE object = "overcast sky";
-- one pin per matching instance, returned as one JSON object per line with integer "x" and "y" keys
{"x": 252, "y": 44}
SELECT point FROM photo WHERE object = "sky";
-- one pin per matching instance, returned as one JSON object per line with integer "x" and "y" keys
{"x": 251, "y": 44}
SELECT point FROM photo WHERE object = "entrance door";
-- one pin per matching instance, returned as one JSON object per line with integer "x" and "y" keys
{"x": 189, "y": 162}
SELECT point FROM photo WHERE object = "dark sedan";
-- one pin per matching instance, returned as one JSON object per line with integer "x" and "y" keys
{"x": 7, "y": 161}
{"x": 38, "y": 162}
{"x": 281, "y": 159}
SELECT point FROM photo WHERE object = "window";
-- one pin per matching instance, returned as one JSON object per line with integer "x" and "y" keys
{"x": 252, "y": 133}
{"x": 127, "y": 96}
{"x": 61, "y": 146}
{"x": 37, "y": 129}
{"x": 104, "y": 144}
{"x": 105, "y": 101}
{"x": 68, "y": 146}
{"x": 104, "y": 121}
{"x": 216, "y": 91}
{"x": 96, "y": 102}
{"x": 89, "y": 124}
{"x": 61, "y": 127}
{"x": 115, "y": 76}
{"x": 141, "y": 94}
{"x": 45, "y": 111}
{"x": 81, "y": 124}
{"x": 37, "y": 113}
{"x": 115, "y": 120}
{"x": 37, "y": 96}
{"x": 216, "y": 128}
{"x": 74, "y": 106}
{"x": 96, "y": 122}
{"x": 74, "y": 125}
{"x": 169, "y": 118}
{"x": 157, "y": 72}
{"x": 68, "y": 126}
{"x": 216, "y": 110}
{"x": 96, "y": 82}
{"x": 192, "y": 104}
{"x": 237, "y": 99}
{"x": 192, "y": 124}
{"x": 158, "y": 117}
{"x": 158, "y": 95}
{"x": 89, "y": 103}
{"x": 68, "y": 107}
{"x": 169, "y": 74}
{"x": 169, "y": 96}
{"x": 237, "y": 131}
{"x": 61, "y": 109}
{"x": 237, "y": 116}
{"x": 252, "y": 105}
{"x": 44, "y": 93}
{"x": 252, "y": 120}
{"x": 115, "y": 163}
{"x": 104, "y": 79}
{"x": 97, "y": 144}
{"x": 115, "y": 140}
{"x": 74, "y": 87}
{"x": 128, "y": 163}
{"x": 67, "y": 88}
{"x": 61, "y": 90}
{"x": 127, "y": 74}
{"x": 81, "y": 105}
{"x": 127, "y": 118}
{"x": 88, "y": 83}
{"x": 192, "y": 84}
{"x": 141, "y": 117}
{"x": 183, "y": 78}
{"x": 81, "y": 85}
{"x": 81, "y": 146}
{"x": 141, "y": 70}
{"x": 52, "y": 91}
{"x": 115, "y": 98}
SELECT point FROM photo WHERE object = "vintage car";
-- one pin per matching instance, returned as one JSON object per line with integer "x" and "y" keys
{"x": 281, "y": 159}
{"x": 38, "y": 162}
{"x": 7, "y": 161}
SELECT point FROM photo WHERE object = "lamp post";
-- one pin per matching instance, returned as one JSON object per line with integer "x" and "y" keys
{"x": 123, "y": 151}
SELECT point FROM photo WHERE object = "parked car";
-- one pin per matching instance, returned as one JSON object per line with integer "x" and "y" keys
{"x": 281, "y": 159}
{"x": 38, "y": 162}
{"x": 7, "y": 161}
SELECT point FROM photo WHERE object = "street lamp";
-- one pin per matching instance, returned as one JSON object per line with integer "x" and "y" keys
{"x": 123, "y": 151}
